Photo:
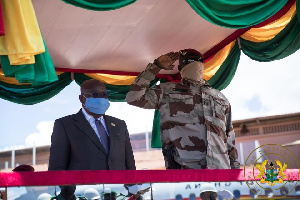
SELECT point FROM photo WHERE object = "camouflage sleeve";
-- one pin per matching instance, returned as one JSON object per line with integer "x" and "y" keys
{"x": 232, "y": 151}
{"x": 140, "y": 94}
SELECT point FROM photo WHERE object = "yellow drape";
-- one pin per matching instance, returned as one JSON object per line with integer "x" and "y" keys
{"x": 112, "y": 79}
{"x": 22, "y": 38}
{"x": 212, "y": 66}
{"x": 269, "y": 31}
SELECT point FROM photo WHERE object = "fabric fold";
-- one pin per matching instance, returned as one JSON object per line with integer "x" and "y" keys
{"x": 270, "y": 30}
{"x": 39, "y": 73}
{"x": 27, "y": 94}
{"x": 23, "y": 39}
{"x": 282, "y": 45}
{"x": 100, "y": 5}
{"x": 236, "y": 14}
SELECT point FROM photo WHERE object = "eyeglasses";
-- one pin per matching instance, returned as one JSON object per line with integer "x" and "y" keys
{"x": 96, "y": 95}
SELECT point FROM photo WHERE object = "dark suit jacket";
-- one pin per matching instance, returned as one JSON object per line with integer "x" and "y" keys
{"x": 75, "y": 145}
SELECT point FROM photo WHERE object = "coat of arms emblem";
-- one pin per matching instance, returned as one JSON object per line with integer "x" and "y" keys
{"x": 269, "y": 173}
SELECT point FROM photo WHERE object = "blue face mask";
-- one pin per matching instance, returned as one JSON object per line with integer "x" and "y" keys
{"x": 97, "y": 105}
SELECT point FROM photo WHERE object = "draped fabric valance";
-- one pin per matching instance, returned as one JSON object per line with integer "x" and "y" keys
{"x": 100, "y": 5}
{"x": 238, "y": 13}
{"x": 23, "y": 51}
{"x": 269, "y": 31}
{"x": 28, "y": 95}
{"x": 230, "y": 14}
{"x": 282, "y": 45}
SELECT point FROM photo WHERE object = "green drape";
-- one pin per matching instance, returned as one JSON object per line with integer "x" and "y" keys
{"x": 155, "y": 138}
{"x": 40, "y": 73}
{"x": 236, "y": 13}
{"x": 226, "y": 72}
{"x": 117, "y": 93}
{"x": 29, "y": 95}
{"x": 100, "y": 5}
{"x": 282, "y": 45}
{"x": 298, "y": 10}
{"x": 219, "y": 81}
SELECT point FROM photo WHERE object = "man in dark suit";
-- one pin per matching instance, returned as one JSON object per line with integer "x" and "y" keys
{"x": 90, "y": 140}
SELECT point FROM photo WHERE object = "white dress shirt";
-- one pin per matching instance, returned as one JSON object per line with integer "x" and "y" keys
{"x": 91, "y": 120}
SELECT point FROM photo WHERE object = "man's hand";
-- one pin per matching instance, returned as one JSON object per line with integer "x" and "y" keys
{"x": 166, "y": 61}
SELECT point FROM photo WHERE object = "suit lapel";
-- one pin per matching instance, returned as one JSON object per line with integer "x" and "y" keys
{"x": 81, "y": 122}
{"x": 113, "y": 131}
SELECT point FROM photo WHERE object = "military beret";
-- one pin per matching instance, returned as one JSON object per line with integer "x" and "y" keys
{"x": 192, "y": 54}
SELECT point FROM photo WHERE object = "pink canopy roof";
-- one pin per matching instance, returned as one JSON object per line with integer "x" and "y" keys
{"x": 126, "y": 39}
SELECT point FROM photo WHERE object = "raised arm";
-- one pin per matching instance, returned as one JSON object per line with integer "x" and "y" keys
{"x": 140, "y": 94}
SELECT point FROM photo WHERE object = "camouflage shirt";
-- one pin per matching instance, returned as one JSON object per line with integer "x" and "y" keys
{"x": 195, "y": 122}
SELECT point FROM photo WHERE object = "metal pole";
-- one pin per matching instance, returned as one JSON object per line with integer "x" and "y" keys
{"x": 13, "y": 158}
{"x": 242, "y": 154}
{"x": 33, "y": 154}
{"x": 151, "y": 191}
{"x": 147, "y": 141}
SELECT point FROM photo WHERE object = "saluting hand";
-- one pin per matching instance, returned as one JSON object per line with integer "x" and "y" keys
{"x": 166, "y": 61}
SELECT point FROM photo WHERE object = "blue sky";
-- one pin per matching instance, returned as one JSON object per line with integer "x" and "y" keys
{"x": 258, "y": 89}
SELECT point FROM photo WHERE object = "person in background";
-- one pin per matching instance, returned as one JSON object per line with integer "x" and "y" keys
{"x": 44, "y": 196}
{"x": 195, "y": 119}
{"x": 89, "y": 139}
{"x": 108, "y": 194}
{"x": 135, "y": 192}
{"x": 209, "y": 192}
{"x": 91, "y": 194}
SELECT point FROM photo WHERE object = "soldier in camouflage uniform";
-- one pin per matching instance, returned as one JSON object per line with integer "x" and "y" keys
{"x": 195, "y": 119}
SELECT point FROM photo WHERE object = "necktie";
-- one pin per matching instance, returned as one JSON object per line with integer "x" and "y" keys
{"x": 103, "y": 135}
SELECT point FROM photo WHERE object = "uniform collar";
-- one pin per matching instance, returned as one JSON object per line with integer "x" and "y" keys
{"x": 190, "y": 82}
